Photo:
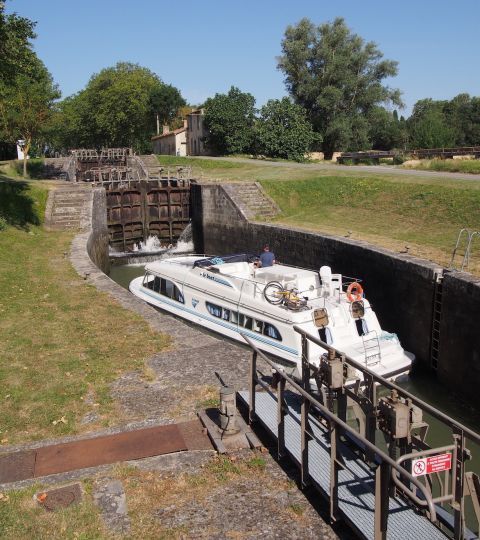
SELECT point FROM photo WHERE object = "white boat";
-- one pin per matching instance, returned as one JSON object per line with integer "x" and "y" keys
{"x": 230, "y": 295}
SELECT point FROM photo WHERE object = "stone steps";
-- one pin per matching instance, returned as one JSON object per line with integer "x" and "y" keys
{"x": 67, "y": 207}
{"x": 252, "y": 201}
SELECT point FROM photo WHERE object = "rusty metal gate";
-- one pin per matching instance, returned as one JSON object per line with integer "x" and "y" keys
{"x": 136, "y": 210}
{"x": 138, "y": 205}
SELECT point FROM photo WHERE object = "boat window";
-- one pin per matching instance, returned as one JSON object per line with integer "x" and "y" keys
{"x": 163, "y": 287}
{"x": 362, "y": 327}
{"x": 169, "y": 288}
{"x": 226, "y": 314}
{"x": 177, "y": 295}
{"x": 214, "y": 310}
{"x": 247, "y": 323}
{"x": 325, "y": 335}
{"x": 234, "y": 317}
{"x": 270, "y": 331}
{"x": 148, "y": 281}
{"x": 258, "y": 326}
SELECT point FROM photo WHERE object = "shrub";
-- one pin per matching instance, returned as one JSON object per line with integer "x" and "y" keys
{"x": 3, "y": 223}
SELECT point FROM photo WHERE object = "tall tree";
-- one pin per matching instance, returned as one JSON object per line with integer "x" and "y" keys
{"x": 118, "y": 107}
{"x": 16, "y": 51}
{"x": 166, "y": 101}
{"x": 26, "y": 106}
{"x": 338, "y": 78}
{"x": 283, "y": 130}
{"x": 387, "y": 131}
{"x": 428, "y": 126}
{"x": 229, "y": 119}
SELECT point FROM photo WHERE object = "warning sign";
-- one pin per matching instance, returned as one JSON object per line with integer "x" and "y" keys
{"x": 431, "y": 464}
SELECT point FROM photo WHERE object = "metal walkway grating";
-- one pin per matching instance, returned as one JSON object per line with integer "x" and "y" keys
{"x": 356, "y": 487}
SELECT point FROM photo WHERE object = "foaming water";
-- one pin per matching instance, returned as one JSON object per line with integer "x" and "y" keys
{"x": 152, "y": 243}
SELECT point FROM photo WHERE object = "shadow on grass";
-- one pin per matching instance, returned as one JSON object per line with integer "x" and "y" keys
{"x": 16, "y": 205}
{"x": 36, "y": 169}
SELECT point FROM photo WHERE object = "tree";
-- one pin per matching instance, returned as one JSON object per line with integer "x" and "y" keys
{"x": 462, "y": 114}
{"x": 337, "y": 77}
{"x": 387, "y": 131}
{"x": 283, "y": 130}
{"x": 229, "y": 119}
{"x": 118, "y": 107}
{"x": 428, "y": 126}
{"x": 166, "y": 101}
{"x": 15, "y": 46}
{"x": 26, "y": 106}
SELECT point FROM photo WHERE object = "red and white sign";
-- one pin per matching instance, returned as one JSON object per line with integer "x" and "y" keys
{"x": 431, "y": 464}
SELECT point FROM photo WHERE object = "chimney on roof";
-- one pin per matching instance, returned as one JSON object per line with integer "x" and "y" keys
{"x": 185, "y": 123}
{"x": 166, "y": 130}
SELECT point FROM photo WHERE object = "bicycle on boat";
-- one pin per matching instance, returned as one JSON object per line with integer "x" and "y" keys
{"x": 275, "y": 293}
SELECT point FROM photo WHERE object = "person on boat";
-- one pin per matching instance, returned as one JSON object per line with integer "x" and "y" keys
{"x": 267, "y": 258}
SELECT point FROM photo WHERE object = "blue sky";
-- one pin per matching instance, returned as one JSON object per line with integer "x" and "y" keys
{"x": 205, "y": 47}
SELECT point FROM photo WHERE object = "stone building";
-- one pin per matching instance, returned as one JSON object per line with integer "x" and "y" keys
{"x": 173, "y": 143}
{"x": 196, "y": 133}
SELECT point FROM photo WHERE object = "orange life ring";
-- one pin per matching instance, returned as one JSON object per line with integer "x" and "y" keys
{"x": 357, "y": 295}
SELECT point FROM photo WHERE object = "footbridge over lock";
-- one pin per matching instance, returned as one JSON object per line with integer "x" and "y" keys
{"x": 381, "y": 477}
{"x": 142, "y": 199}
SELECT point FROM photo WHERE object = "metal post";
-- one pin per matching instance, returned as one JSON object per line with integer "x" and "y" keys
{"x": 382, "y": 478}
{"x": 228, "y": 410}
{"x": 334, "y": 465}
{"x": 304, "y": 442}
{"x": 459, "y": 471}
{"x": 253, "y": 374}
{"x": 304, "y": 413}
{"x": 280, "y": 418}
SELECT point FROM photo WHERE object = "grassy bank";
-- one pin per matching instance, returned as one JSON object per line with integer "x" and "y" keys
{"x": 62, "y": 342}
{"x": 14, "y": 168}
{"x": 469, "y": 166}
{"x": 427, "y": 218}
{"x": 385, "y": 209}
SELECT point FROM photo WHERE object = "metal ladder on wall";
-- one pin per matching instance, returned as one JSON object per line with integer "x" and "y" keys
{"x": 436, "y": 320}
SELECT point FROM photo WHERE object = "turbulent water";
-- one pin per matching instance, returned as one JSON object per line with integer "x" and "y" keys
{"x": 153, "y": 243}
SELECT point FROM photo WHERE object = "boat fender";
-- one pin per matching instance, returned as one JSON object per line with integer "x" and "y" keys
{"x": 354, "y": 292}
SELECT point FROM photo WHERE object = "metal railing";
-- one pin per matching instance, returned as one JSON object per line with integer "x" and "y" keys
{"x": 337, "y": 427}
{"x": 459, "y": 432}
{"x": 389, "y": 468}
{"x": 469, "y": 237}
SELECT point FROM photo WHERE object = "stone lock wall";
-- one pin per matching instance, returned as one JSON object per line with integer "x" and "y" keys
{"x": 459, "y": 358}
{"x": 97, "y": 244}
{"x": 401, "y": 288}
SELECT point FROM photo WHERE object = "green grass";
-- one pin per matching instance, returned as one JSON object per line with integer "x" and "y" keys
{"x": 204, "y": 164}
{"x": 22, "y": 518}
{"x": 14, "y": 168}
{"x": 471, "y": 166}
{"x": 383, "y": 208}
{"x": 62, "y": 343}
{"x": 21, "y": 203}
{"x": 386, "y": 213}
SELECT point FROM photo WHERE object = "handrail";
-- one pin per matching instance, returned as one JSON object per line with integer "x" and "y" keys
{"x": 370, "y": 446}
{"x": 392, "y": 386}
{"x": 410, "y": 455}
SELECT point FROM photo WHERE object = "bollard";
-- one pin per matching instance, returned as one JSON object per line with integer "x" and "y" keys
{"x": 228, "y": 410}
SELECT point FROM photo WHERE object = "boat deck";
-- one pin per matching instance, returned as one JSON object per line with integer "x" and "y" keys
{"x": 356, "y": 481}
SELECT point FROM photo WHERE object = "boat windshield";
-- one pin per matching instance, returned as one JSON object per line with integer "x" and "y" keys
{"x": 217, "y": 260}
